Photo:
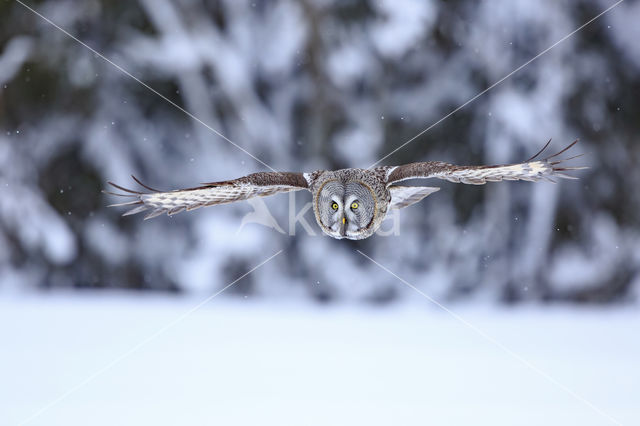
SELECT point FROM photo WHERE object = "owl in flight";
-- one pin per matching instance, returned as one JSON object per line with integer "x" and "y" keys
{"x": 347, "y": 203}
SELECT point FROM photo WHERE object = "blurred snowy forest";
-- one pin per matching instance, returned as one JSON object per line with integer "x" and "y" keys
{"x": 313, "y": 84}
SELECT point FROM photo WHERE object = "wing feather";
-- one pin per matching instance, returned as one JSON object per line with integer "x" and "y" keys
{"x": 209, "y": 194}
{"x": 531, "y": 170}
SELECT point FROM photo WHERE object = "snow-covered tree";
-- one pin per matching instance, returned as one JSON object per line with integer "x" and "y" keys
{"x": 312, "y": 84}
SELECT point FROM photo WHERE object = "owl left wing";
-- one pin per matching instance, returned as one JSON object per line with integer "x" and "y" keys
{"x": 530, "y": 170}
{"x": 209, "y": 194}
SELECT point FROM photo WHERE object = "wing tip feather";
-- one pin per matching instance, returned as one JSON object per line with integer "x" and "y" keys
{"x": 539, "y": 152}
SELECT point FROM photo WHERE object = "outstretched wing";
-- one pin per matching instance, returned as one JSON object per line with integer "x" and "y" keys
{"x": 531, "y": 170}
{"x": 209, "y": 194}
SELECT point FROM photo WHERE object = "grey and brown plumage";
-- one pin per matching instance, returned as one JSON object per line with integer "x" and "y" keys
{"x": 347, "y": 203}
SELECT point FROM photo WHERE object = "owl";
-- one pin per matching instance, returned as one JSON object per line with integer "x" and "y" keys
{"x": 347, "y": 203}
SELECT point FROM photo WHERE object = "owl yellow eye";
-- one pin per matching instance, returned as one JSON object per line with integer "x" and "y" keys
{"x": 334, "y": 206}
{"x": 354, "y": 205}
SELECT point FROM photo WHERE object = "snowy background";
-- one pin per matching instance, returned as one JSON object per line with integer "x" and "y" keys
{"x": 549, "y": 272}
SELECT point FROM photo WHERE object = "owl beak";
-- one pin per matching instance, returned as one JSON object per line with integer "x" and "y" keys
{"x": 344, "y": 220}
{"x": 343, "y": 228}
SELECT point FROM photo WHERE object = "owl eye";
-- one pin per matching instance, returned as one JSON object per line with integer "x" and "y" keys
{"x": 334, "y": 206}
{"x": 354, "y": 205}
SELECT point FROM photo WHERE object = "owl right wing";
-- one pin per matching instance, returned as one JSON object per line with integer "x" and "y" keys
{"x": 530, "y": 170}
{"x": 209, "y": 194}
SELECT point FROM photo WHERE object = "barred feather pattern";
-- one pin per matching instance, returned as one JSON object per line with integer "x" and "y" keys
{"x": 173, "y": 202}
{"x": 530, "y": 170}
{"x": 380, "y": 181}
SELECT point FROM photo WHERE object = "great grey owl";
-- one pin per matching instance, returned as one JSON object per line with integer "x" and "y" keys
{"x": 347, "y": 203}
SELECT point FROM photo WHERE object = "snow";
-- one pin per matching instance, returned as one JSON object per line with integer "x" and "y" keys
{"x": 305, "y": 86}
{"x": 14, "y": 54}
{"x": 239, "y": 361}
{"x": 628, "y": 39}
{"x": 37, "y": 223}
{"x": 404, "y": 23}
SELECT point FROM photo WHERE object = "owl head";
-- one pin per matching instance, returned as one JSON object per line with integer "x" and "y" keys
{"x": 348, "y": 208}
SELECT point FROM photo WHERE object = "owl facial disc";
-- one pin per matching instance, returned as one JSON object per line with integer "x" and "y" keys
{"x": 346, "y": 209}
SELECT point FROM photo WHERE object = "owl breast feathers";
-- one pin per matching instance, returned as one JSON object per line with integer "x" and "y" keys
{"x": 347, "y": 203}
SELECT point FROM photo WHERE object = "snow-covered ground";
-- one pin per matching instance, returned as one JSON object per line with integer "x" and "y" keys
{"x": 246, "y": 362}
